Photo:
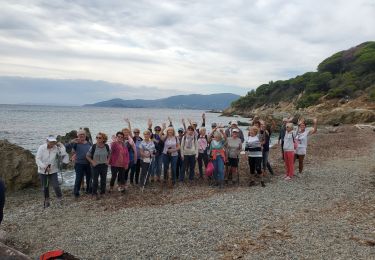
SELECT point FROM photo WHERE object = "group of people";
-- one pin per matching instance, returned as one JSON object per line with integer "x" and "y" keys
{"x": 161, "y": 154}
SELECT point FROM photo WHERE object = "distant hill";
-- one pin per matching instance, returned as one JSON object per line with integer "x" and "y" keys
{"x": 194, "y": 101}
{"x": 345, "y": 75}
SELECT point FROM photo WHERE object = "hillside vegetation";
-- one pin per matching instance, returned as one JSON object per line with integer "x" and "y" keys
{"x": 346, "y": 74}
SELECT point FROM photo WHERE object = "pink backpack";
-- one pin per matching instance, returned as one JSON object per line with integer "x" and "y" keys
{"x": 210, "y": 169}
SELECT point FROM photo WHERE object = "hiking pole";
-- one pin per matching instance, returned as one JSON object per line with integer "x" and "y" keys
{"x": 46, "y": 200}
{"x": 148, "y": 170}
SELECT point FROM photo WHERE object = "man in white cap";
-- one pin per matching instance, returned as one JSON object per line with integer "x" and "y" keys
{"x": 234, "y": 125}
{"x": 47, "y": 161}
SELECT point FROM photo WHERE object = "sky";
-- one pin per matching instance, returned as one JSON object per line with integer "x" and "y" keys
{"x": 153, "y": 49}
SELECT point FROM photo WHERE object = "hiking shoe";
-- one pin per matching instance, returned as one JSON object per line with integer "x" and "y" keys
{"x": 252, "y": 183}
{"x": 288, "y": 178}
{"x": 262, "y": 183}
{"x": 46, "y": 204}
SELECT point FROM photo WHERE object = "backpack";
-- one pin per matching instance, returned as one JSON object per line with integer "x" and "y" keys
{"x": 94, "y": 147}
{"x": 295, "y": 143}
{"x": 57, "y": 254}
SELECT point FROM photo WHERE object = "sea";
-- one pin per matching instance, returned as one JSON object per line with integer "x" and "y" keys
{"x": 29, "y": 125}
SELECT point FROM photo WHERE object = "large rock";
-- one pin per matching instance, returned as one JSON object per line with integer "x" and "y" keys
{"x": 18, "y": 168}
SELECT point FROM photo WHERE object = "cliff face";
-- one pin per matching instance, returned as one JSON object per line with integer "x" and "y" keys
{"x": 18, "y": 168}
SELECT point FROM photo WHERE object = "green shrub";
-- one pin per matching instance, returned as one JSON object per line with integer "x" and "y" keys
{"x": 308, "y": 100}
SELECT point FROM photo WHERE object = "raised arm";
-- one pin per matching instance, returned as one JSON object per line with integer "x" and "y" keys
{"x": 223, "y": 133}
{"x": 184, "y": 124}
{"x": 129, "y": 126}
{"x": 170, "y": 122}
{"x": 315, "y": 127}
{"x": 203, "y": 120}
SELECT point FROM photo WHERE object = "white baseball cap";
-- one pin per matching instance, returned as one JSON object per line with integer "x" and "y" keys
{"x": 234, "y": 122}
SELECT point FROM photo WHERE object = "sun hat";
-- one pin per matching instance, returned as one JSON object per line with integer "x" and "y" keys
{"x": 236, "y": 130}
{"x": 51, "y": 138}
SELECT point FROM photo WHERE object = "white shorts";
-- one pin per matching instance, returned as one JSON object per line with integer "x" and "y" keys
{"x": 301, "y": 150}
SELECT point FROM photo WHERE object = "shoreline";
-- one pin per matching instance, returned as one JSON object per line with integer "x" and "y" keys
{"x": 262, "y": 222}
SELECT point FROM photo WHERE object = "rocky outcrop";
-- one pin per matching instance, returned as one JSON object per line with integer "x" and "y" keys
{"x": 330, "y": 112}
{"x": 7, "y": 252}
{"x": 18, "y": 168}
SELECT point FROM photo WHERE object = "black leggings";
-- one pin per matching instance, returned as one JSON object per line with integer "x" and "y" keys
{"x": 120, "y": 172}
{"x": 135, "y": 169}
{"x": 99, "y": 170}
{"x": 255, "y": 165}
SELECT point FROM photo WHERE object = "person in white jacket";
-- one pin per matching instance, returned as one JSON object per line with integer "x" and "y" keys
{"x": 47, "y": 158}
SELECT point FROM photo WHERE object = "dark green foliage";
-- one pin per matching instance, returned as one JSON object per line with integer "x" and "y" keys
{"x": 345, "y": 73}
{"x": 372, "y": 93}
{"x": 308, "y": 100}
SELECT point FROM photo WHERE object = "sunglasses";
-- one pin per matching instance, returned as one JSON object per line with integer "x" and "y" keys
{"x": 99, "y": 137}
{"x": 136, "y": 132}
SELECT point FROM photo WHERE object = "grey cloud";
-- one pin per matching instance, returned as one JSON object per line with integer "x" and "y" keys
{"x": 191, "y": 42}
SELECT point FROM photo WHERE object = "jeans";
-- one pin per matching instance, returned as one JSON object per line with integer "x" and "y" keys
{"x": 145, "y": 173}
{"x": 189, "y": 163}
{"x": 265, "y": 162}
{"x": 117, "y": 171}
{"x": 202, "y": 158}
{"x": 134, "y": 173}
{"x": 81, "y": 171}
{"x": 169, "y": 159}
{"x": 156, "y": 165}
{"x": 179, "y": 165}
{"x": 45, "y": 180}
{"x": 99, "y": 170}
{"x": 218, "y": 168}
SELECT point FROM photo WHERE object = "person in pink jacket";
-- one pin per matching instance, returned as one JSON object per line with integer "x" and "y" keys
{"x": 119, "y": 162}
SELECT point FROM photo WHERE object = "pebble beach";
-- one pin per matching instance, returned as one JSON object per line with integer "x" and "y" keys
{"x": 328, "y": 212}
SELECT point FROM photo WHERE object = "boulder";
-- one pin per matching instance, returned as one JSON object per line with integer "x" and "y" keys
{"x": 18, "y": 168}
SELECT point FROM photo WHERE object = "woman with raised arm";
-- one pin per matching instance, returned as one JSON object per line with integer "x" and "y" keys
{"x": 132, "y": 151}
{"x": 159, "y": 146}
{"x": 189, "y": 154}
{"x": 254, "y": 153}
{"x": 217, "y": 152}
{"x": 203, "y": 146}
{"x": 301, "y": 138}
{"x": 136, "y": 167}
{"x": 170, "y": 153}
